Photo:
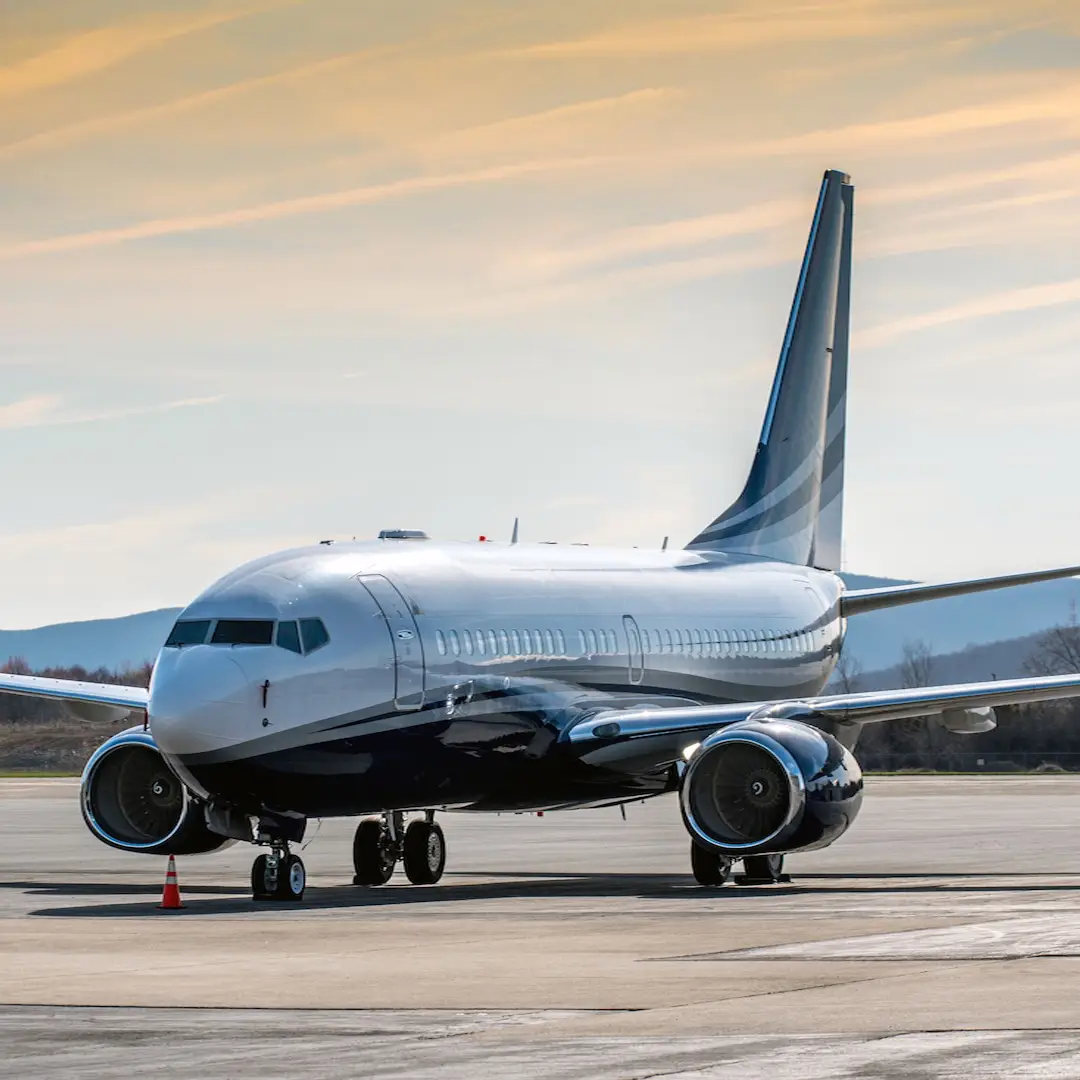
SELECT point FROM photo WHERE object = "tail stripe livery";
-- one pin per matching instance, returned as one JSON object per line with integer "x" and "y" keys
{"x": 830, "y": 528}
{"x": 791, "y": 506}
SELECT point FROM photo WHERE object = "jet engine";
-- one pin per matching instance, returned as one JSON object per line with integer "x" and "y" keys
{"x": 769, "y": 787}
{"x": 132, "y": 800}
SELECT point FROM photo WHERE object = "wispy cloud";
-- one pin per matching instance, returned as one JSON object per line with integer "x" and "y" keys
{"x": 560, "y": 121}
{"x": 748, "y": 29}
{"x": 47, "y": 410}
{"x": 96, "y": 50}
{"x": 101, "y": 125}
{"x": 998, "y": 303}
{"x": 286, "y": 208}
{"x": 642, "y": 240}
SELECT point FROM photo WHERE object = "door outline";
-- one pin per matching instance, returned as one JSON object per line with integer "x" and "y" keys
{"x": 410, "y": 670}
{"x": 635, "y": 654}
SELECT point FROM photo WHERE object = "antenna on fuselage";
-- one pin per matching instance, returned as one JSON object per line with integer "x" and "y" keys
{"x": 514, "y": 534}
{"x": 663, "y": 546}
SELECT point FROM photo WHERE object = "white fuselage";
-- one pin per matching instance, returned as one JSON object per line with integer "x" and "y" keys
{"x": 437, "y": 651}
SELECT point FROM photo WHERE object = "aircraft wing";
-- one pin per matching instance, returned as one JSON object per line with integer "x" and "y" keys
{"x": 957, "y": 704}
{"x": 97, "y": 702}
{"x": 858, "y": 601}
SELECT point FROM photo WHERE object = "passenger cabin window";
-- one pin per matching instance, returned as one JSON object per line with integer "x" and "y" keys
{"x": 493, "y": 645}
{"x": 313, "y": 634}
{"x": 288, "y": 636}
{"x": 592, "y": 642}
{"x": 440, "y": 642}
{"x": 466, "y": 640}
{"x": 480, "y": 642}
{"x": 243, "y": 632}
{"x": 561, "y": 642}
{"x": 188, "y": 632}
{"x": 504, "y": 643}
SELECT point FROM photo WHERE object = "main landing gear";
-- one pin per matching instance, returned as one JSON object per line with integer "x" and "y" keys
{"x": 710, "y": 868}
{"x": 380, "y": 843}
{"x": 279, "y": 875}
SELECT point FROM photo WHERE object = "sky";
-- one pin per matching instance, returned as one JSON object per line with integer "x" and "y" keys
{"x": 292, "y": 270}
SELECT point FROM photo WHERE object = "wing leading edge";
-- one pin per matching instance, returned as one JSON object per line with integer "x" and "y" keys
{"x": 96, "y": 702}
{"x": 871, "y": 707}
{"x": 858, "y": 601}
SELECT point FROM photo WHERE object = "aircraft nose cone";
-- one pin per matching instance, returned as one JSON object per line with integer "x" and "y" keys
{"x": 199, "y": 700}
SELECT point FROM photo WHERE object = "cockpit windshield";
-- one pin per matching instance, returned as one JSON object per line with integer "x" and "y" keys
{"x": 243, "y": 632}
{"x": 303, "y": 637}
{"x": 188, "y": 632}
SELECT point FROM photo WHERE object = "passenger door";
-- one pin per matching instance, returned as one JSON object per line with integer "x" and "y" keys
{"x": 635, "y": 653}
{"x": 405, "y": 637}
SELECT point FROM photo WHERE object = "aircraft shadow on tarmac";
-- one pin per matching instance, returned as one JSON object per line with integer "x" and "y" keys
{"x": 217, "y": 900}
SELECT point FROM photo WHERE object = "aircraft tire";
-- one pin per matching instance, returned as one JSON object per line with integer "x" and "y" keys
{"x": 425, "y": 852}
{"x": 292, "y": 879}
{"x": 373, "y": 857}
{"x": 260, "y": 889}
{"x": 709, "y": 868}
{"x": 762, "y": 870}
{"x": 290, "y": 884}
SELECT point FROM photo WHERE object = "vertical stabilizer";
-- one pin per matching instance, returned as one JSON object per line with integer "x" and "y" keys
{"x": 791, "y": 507}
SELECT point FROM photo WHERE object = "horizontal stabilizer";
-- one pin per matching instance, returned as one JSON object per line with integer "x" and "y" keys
{"x": 860, "y": 601}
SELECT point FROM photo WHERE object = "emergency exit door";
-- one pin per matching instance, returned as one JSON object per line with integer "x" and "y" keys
{"x": 405, "y": 638}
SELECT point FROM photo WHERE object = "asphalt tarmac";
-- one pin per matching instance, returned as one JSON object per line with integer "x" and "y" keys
{"x": 940, "y": 938}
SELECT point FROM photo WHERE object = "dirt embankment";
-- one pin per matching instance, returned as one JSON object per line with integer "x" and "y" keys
{"x": 52, "y": 745}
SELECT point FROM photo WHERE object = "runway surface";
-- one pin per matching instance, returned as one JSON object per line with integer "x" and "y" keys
{"x": 940, "y": 938}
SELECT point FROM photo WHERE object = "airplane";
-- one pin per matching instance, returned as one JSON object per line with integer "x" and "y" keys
{"x": 400, "y": 677}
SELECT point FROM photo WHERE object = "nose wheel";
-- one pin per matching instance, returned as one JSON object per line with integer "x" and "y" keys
{"x": 278, "y": 876}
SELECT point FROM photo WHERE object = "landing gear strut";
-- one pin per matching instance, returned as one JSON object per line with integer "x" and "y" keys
{"x": 279, "y": 875}
{"x": 380, "y": 843}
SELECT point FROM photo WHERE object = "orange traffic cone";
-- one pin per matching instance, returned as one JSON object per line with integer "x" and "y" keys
{"x": 170, "y": 898}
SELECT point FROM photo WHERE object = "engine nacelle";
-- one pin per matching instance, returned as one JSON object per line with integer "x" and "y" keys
{"x": 770, "y": 787}
{"x": 132, "y": 800}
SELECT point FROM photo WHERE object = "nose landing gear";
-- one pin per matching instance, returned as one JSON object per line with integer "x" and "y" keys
{"x": 279, "y": 875}
{"x": 380, "y": 843}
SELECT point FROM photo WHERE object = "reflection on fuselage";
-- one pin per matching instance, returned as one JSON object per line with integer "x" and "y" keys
{"x": 402, "y": 643}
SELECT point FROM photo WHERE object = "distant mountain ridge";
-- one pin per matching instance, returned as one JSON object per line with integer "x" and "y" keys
{"x": 876, "y": 640}
{"x": 975, "y": 663}
{"x": 119, "y": 643}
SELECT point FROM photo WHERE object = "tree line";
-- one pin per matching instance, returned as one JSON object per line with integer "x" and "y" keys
{"x": 17, "y": 709}
{"x": 1044, "y": 735}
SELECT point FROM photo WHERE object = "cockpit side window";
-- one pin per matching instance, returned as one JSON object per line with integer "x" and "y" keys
{"x": 243, "y": 632}
{"x": 313, "y": 634}
{"x": 188, "y": 632}
{"x": 288, "y": 636}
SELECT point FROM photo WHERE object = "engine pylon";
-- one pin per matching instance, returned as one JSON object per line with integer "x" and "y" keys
{"x": 170, "y": 897}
